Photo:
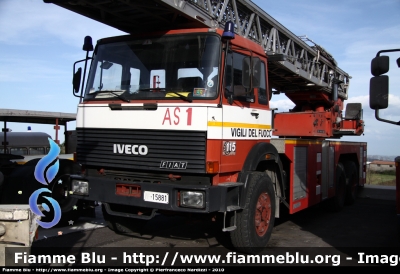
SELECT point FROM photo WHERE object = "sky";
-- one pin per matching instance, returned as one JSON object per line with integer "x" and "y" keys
{"x": 40, "y": 42}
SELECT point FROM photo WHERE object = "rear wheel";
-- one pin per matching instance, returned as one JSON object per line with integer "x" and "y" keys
{"x": 256, "y": 221}
{"x": 337, "y": 202}
{"x": 352, "y": 182}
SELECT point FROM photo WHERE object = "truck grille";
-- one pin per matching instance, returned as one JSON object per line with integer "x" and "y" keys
{"x": 95, "y": 147}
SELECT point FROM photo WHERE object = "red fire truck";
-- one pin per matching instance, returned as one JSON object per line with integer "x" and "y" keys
{"x": 176, "y": 117}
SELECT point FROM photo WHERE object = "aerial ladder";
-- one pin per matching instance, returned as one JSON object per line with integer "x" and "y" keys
{"x": 298, "y": 67}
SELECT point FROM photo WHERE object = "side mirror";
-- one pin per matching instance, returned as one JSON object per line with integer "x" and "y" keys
{"x": 76, "y": 81}
{"x": 379, "y": 84}
{"x": 379, "y": 92}
{"x": 379, "y": 65}
{"x": 256, "y": 72}
{"x": 246, "y": 72}
{"x": 251, "y": 68}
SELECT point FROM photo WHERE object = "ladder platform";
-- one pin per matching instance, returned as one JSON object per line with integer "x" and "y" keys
{"x": 294, "y": 64}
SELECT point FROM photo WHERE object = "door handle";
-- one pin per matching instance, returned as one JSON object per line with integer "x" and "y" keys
{"x": 255, "y": 114}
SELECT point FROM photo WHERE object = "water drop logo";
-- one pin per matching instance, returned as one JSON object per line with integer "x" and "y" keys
{"x": 45, "y": 177}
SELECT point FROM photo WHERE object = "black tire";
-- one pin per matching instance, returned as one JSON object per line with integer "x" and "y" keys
{"x": 32, "y": 162}
{"x": 109, "y": 219}
{"x": 352, "y": 182}
{"x": 120, "y": 224}
{"x": 255, "y": 221}
{"x": 21, "y": 183}
{"x": 336, "y": 203}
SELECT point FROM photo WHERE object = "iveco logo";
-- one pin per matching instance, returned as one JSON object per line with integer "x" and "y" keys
{"x": 131, "y": 149}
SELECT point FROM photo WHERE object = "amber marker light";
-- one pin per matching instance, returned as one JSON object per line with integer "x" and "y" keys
{"x": 212, "y": 167}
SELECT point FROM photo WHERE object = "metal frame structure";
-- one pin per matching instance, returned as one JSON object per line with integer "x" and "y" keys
{"x": 36, "y": 117}
{"x": 293, "y": 64}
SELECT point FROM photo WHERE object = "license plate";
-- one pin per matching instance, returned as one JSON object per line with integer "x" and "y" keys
{"x": 156, "y": 197}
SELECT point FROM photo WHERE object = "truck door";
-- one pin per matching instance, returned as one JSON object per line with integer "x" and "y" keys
{"x": 248, "y": 118}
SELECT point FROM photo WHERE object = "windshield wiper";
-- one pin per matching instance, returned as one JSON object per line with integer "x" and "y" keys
{"x": 120, "y": 96}
{"x": 186, "y": 98}
{"x": 183, "y": 97}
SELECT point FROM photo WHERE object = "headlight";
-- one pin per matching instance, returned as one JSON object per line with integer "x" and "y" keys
{"x": 192, "y": 199}
{"x": 80, "y": 187}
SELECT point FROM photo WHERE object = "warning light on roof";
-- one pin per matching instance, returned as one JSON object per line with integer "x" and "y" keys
{"x": 229, "y": 31}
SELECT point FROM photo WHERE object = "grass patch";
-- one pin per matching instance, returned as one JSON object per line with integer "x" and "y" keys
{"x": 387, "y": 178}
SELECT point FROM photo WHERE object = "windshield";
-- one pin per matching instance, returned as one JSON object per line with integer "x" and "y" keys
{"x": 182, "y": 67}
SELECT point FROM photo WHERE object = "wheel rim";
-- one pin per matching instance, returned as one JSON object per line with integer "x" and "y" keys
{"x": 263, "y": 214}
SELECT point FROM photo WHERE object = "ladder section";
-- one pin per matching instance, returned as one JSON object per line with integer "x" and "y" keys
{"x": 294, "y": 65}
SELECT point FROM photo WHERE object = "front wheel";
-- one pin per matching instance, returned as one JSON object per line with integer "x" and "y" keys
{"x": 256, "y": 221}
{"x": 71, "y": 208}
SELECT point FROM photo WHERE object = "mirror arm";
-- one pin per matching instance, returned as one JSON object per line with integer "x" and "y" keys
{"x": 84, "y": 75}
{"x": 230, "y": 92}
{"x": 251, "y": 72}
{"x": 384, "y": 120}
{"x": 386, "y": 50}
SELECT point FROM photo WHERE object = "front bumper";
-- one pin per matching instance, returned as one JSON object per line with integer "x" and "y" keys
{"x": 221, "y": 198}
